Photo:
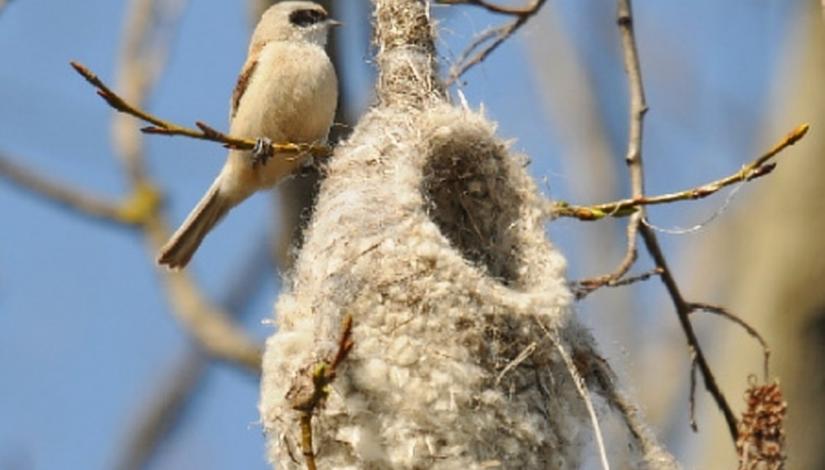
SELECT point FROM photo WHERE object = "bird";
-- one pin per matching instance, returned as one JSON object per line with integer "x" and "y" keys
{"x": 287, "y": 92}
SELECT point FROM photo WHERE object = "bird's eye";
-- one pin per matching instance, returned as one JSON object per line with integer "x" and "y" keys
{"x": 307, "y": 17}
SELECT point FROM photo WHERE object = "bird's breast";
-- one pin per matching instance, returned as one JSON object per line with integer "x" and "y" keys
{"x": 291, "y": 96}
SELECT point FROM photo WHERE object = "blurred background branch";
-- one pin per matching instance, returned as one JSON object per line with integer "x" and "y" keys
{"x": 143, "y": 54}
{"x": 64, "y": 195}
{"x": 170, "y": 399}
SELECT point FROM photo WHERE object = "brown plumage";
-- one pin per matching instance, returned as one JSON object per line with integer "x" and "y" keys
{"x": 286, "y": 92}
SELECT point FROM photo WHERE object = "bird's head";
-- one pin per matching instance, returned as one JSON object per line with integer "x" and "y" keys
{"x": 294, "y": 21}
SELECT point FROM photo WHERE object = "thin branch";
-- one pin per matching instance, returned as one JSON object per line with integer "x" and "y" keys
{"x": 71, "y": 198}
{"x": 306, "y": 396}
{"x": 692, "y": 395}
{"x": 491, "y": 7}
{"x": 757, "y": 168}
{"x": 638, "y": 278}
{"x": 585, "y": 287}
{"x": 203, "y": 132}
{"x": 211, "y": 326}
{"x": 718, "y": 310}
{"x": 682, "y": 312}
{"x": 760, "y": 166}
{"x": 490, "y": 39}
{"x": 638, "y": 108}
{"x": 633, "y": 156}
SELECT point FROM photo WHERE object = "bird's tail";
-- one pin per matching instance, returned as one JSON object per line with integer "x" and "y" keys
{"x": 179, "y": 249}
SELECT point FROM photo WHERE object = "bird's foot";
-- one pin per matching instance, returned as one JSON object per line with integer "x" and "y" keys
{"x": 262, "y": 152}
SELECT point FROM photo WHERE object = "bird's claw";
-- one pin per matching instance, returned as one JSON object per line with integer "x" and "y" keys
{"x": 262, "y": 152}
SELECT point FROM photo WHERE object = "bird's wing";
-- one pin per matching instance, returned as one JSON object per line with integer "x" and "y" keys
{"x": 240, "y": 87}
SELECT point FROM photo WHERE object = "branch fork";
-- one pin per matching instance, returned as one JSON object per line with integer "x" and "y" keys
{"x": 204, "y": 131}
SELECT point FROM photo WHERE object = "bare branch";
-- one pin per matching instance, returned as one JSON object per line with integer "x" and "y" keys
{"x": 718, "y": 310}
{"x": 692, "y": 394}
{"x": 585, "y": 287}
{"x": 683, "y": 311}
{"x": 492, "y": 38}
{"x": 311, "y": 390}
{"x": 211, "y": 326}
{"x": 203, "y": 132}
{"x": 492, "y": 7}
{"x": 757, "y": 168}
{"x": 638, "y": 108}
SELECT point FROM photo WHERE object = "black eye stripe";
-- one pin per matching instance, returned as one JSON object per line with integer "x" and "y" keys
{"x": 307, "y": 17}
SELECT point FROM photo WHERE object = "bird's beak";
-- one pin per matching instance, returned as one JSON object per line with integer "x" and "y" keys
{"x": 334, "y": 23}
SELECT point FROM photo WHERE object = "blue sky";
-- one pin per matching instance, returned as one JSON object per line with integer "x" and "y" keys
{"x": 85, "y": 332}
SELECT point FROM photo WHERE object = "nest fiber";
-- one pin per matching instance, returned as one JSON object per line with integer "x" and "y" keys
{"x": 429, "y": 233}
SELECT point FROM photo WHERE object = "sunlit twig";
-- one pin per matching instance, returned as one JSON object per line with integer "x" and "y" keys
{"x": 203, "y": 132}
{"x": 488, "y": 41}
{"x": 757, "y": 168}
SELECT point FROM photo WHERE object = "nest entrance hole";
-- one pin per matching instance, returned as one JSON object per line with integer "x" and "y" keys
{"x": 470, "y": 197}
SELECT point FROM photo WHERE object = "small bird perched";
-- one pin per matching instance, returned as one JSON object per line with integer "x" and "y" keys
{"x": 287, "y": 92}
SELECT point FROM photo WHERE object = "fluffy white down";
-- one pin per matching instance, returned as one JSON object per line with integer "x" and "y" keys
{"x": 428, "y": 231}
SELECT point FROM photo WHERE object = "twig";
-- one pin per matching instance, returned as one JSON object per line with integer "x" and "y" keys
{"x": 682, "y": 312}
{"x": 633, "y": 156}
{"x": 203, "y": 131}
{"x": 638, "y": 278}
{"x": 218, "y": 336}
{"x": 130, "y": 212}
{"x": 493, "y": 37}
{"x": 718, "y": 310}
{"x": 759, "y": 167}
{"x": 491, "y": 7}
{"x": 638, "y": 107}
{"x": 692, "y": 395}
{"x": 585, "y": 287}
{"x": 306, "y": 396}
